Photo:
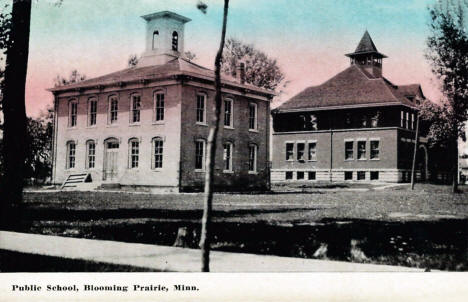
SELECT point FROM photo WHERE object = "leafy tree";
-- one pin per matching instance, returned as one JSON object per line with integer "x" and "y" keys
{"x": 14, "y": 112}
{"x": 260, "y": 70}
{"x": 74, "y": 77}
{"x": 205, "y": 239}
{"x": 447, "y": 52}
{"x": 190, "y": 56}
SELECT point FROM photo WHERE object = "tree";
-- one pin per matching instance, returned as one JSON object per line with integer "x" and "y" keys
{"x": 447, "y": 52}
{"x": 74, "y": 77}
{"x": 205, "y": 239}
{"x": 190, "y": 56}
{"x": 260, "y": 70}
{"x": 14, "y": 111}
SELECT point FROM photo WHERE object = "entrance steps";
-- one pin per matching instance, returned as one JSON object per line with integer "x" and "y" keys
{"x": 79, "y": 182}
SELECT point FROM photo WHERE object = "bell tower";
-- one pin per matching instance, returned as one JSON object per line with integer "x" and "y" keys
{"x": 164, "y": 38}
{"x": 367, "y": 56}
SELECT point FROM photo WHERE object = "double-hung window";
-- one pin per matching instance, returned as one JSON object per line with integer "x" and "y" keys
{"x": 201, "y": 108}
{"x": 159, "y": 106}
{"x": 374, "y": 149}
{"x": 200, "y": 154}
{"x": 92, "y": 112}
{"x": 158, "y": 147}
{"x": 228, "y": 122}
{"x": 227, "y": 157}
{"x": 90, "y": 154}
{"x": 361, "y": 150}
{"x": 349, "y": 150}
{"x": 113, "y": 109}
{"x": 134, "y": 153}
{"x": 312, "y": 151}
{"x": 71, "y": 154}
{"x": 72, "y": 113}
{"x": 136, "y": 107}
{"x": 253, "y": 158}
{"x": 252, "y": 116}
{"x": 300, "y": 151}
{"x": 289, "y": 151}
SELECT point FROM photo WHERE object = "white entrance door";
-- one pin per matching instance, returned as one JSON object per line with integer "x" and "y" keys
{"x": 110, "y": 166}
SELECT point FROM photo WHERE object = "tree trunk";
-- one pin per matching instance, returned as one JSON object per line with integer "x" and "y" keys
{"x": 455, "y": 166}
{"x": 14, "y": 111}
{"x": 415, "y": 151}
{"x": 205, "y": 239}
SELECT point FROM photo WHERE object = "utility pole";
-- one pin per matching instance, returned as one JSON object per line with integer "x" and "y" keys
{"x": 416, "y": 138}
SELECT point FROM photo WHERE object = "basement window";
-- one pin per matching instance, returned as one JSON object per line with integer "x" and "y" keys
{"x": 289, "y": 175}
{"x": 374, "y": 175}
{"x": 348, "y": 175}
{"x": 300, "y": 175}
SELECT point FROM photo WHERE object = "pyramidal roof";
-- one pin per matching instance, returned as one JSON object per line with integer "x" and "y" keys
{"x": 365, "y": 46}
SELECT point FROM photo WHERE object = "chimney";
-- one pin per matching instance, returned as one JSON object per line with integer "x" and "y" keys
{"x": 240, "y": 72}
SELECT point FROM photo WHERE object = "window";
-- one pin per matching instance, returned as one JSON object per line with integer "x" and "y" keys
{"x": 374, "y": 149}
{"x": 374, "y": 175}
{"x": 227, "y": 156}
{"x": 252, "y": 116}
{"x": 200, "y": 154}
{"x": 92, "y": 112}
{"x": 158, "y": 146}
{"x": 159, "y": 106}
{"x": 361, "y": 150}
{"x": 228, "y": 122}
{"x": 412, "y": 120}
{"x": 402, "y": 121}
{"x": 90, "y": 154}
{"x": 134, "y": 153}
{"x": 300, "y": 151}
{"x": 364, "y": 121}
{"x": 201, "y": 108}
{"x": 348, "y": 120}
{"x": 71, "y": 153}
{"x": 361, "y": 175}
{"x": 175, "y": 41}
{"x": 136, "y": 106}
{"x": 348, "y": 175}
{"x": 289, "y": 175}
{"x": 313, "y": 122}
{"x": 312, "y": 151}
{"x": 252, "y": 158}
{"x": 312, "y": 175}
{"x": 289, "y": 151}
{"x": 72, "y": 113}
{"x": 349, "y": 149}
{"x": 155, "y": 39}
{"x": 113, "y": 109}
{"x": 407, "y": 120}
{"x": 300, "y": 175}
{"x": 375, "y": 121}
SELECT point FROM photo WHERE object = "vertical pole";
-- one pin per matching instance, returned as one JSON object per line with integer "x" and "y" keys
{"x": 416, "y": 138}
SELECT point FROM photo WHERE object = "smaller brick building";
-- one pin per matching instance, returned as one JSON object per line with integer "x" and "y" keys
{"x": 356, "y": 126}
{"x": 148, "y": 125}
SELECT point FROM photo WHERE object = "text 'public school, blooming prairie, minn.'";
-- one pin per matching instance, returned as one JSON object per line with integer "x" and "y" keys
{"x": 103, "y": 288}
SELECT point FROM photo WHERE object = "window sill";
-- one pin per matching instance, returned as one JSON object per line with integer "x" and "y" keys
{"x": 362, "y": 159}
{"x": 134, "y": 124}
{"x": 199, "y": 171}
{"x": 374, "y": 159}
{"x": 157, "y": 169}
{"x": 228, "y": 171}
{"x": 201, "y": 124}
{"x": 253, "y": 130}
{"x": 229, "y": 127}
{"x": 290, "y": 160}
{"x": 158, "y": 123}
{"x": 253, "y": 172}
{"x": 91, "y": 127}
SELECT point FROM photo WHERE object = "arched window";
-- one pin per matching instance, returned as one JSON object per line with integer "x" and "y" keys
{"x": 253, "y": 150}
{"x": 175, "y": 41}
{"x": 155, "y": 39}
{"x": 134, "y": 153}
{"x": 92, "y": 111}
{"x": 90, "y": 154}
{"x": 113, "y": 109}
{"x": 72, "y": 113}
{"x": 135, "y": 108}
{"x": 158, "y": 149}
{"x": 158, "y": 106}
{"x": 71, "y": 154}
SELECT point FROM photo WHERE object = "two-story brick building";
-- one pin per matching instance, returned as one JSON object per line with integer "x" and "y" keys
{"x": 356, "y": 126}
{"x": 148, "y": 125}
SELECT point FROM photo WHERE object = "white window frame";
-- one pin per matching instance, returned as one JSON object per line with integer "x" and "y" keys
{"x": 203, "y": 155}
{"x": 111, "y": 110}
{"x": 133, "y": 157}
{"x": 255, "y": 117}
{"x": 302, "y": 143}
{"x": 365, "y": 149}
{"x": 402, "y": 119}
{"x": 378, "y": 149}
{"x": 153, "y": 153}
{"x": 308, "y": 150}
{"x": 135, "y": 111}
{"x": 407, "y": 120}
{"x": 345, "y": 150}
{"x": 253, "y": 161}
{"x": 73, "y": 113}
{"x": 159, "y": 106}
{"x": 227, "y": 157}
{"x": 230, "y": 101}
{"x": 90, "y": 158}
{"x": 286, "y": 151}
{"x": 71, "y": 155}
{"x": 202, "y": 110}
{"x": 92, "y": 113}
